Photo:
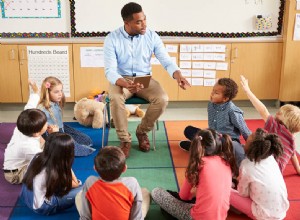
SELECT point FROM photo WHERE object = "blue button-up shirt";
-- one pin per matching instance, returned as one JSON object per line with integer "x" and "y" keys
{"x": 126, "y": 55}
{"x": 227, "y": 118}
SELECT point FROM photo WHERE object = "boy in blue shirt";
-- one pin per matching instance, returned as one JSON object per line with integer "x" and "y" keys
{"x": 223, "y": 116}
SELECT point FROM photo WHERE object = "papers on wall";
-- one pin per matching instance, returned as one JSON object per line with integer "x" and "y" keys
{"x": 186, "y": 73}
{"x": 202, "y": 61}
{"x": 44, "y": 61}
{"x": 197, "y": 81}
{"x": 185, "y": 64}
{"x": 91, "y": 57}
{"x": 222, "y": 66}
{"x": 297, "y": 28}
{"x": 209, "y": 82}
{"x": 298, "y": 5}
{"x": 171, "y": 48}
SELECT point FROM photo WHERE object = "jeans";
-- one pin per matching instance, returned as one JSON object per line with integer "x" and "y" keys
{"x": 54, "y": 205}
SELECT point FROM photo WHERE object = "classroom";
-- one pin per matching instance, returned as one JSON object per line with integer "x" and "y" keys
{"x": 207, "y": 40}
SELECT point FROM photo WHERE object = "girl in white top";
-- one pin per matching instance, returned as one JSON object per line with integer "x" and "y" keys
{"x": 261, "y": 192}
{"x": 49, "y": 185}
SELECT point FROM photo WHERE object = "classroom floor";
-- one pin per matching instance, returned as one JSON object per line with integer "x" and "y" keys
{"x": 175, "y": 111}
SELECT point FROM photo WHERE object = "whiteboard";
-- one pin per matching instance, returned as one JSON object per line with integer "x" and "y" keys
{"x": 37, "y": 27}
{"x": 210, "y": 18}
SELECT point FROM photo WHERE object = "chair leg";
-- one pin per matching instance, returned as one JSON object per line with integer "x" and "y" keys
{"x": 104, "y": 125}
{"x": 154, "y": 135}
{"x": 153, "y": 138}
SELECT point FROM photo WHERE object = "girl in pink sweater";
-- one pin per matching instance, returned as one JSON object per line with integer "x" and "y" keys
{"x": 208, "y": 179}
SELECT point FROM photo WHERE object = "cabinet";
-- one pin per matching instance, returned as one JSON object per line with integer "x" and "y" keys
{"x": 201, "y": 93}
{"x": 260, "y": 63}
{"x": 10, "y": 78}
{"x": 166, "y": 81}
{"x": 87, "y": 79}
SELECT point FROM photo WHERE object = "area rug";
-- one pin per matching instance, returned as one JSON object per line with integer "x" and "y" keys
{"x": 11, "y": 207}
{"x": 174, "y": 130}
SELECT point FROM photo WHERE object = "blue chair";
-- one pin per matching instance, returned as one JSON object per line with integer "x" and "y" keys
{"x": 133, "y": 100}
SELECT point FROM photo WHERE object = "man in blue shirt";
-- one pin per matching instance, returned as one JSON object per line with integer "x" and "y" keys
{"x": 127, "y": 54}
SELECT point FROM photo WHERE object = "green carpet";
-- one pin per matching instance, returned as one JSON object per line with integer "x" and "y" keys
{"x": 151, "y": 169}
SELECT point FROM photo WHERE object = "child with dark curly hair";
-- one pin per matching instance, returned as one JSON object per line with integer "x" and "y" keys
{"x": 262, "y": 192}
{"x": 223, "y": 116}
{"x": 207, "y": 178}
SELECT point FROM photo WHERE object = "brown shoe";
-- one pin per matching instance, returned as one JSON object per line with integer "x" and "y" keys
{"x": 125, "y": 147}
{"x": 144, "y": 144}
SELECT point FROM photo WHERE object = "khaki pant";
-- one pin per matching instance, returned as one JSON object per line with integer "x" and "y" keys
{"x": 157, "y": 98}
{"x": 145, "y": 203}
{"x": 15, "y": 177}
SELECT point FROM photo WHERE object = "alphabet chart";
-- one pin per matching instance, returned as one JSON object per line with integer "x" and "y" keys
{"x": 44, "y": 61}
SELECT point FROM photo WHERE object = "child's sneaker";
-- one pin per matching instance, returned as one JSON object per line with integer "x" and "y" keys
{"x": 185, "y": 145}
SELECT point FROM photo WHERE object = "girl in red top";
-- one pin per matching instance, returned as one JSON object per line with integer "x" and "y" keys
{"x": 208, "y": 179}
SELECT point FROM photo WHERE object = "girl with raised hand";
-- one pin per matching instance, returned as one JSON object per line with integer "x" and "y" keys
{"x": 208, "y": 179}
{"x": 49, "y": 185}
{"x": 261, "y": 192}
{"x": 52, "y": 100}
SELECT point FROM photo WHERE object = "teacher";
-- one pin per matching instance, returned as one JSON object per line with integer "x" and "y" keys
{"x": 127, "y": 54}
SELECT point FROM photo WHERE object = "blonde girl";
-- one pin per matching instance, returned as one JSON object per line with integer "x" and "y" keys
{"x": 52, "y": 100}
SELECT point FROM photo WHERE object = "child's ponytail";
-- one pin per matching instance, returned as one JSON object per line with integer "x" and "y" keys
{"x": 195, "y": 160}
{"x": 226, "y": 152}
{"x": 264, "y": 145}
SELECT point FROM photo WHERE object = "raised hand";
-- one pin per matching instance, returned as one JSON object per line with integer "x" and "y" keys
{"x": 33, "y": 86}
{"x": 244, "y": 83}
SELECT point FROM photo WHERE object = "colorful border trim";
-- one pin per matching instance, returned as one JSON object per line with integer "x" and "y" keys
{"x": 35, "y": 35}
{"x": 74, "y": 32}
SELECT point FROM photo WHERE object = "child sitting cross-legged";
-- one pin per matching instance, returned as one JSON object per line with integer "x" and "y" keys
{"x": 262, "y": 192}
{"x": 208, "y": 179}
{"x": 51, "y": 102}
{"x": 111, "y": 196}
{"x": 224, "y": 117}
{"x": 50, "y": 185}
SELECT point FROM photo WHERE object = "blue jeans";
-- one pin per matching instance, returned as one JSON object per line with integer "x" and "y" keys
{"x": 54, "y": 205}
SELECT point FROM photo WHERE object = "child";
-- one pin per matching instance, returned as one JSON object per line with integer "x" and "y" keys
{"x": 223, "y": 116}
{"x": 208, "y": 178}
{"x": 261, "y": 191}
{"x": 285, "y": 124}
{"x": 51, "y": 102}
{"x": 49, "y": 185}
{"x": 111, "y": 196}
{"x": 26, "y": 140}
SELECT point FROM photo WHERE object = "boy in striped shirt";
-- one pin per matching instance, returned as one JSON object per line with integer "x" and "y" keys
{"x": 285, "y": 124}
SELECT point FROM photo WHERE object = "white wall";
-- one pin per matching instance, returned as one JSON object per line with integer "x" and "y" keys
{"x": 213, "y": 16}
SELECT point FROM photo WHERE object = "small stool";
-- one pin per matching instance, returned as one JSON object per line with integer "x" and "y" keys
{"x": 132, "y": 100}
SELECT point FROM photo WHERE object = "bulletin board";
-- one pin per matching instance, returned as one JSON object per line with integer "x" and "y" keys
{"x": 177, "y": 18}
{"x": 35, "y": 18}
